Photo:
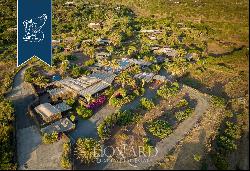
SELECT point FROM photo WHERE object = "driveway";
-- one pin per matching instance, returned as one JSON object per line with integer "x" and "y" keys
{"x": 88, "y": 128}
{"x": 31, "y": 153}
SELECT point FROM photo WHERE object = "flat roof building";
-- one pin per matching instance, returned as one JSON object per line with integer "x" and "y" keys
{"x": 62, "y": 125}
{"x": 167, "y": 51}
{"x": 83, "y": 85}
{"x": 48, "y": 112}
{"x": 62, "y": 107}
{"x": 146, "y": 76}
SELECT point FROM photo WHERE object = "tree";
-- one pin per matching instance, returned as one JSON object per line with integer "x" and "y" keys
{"x": 116, "y": 38}
{"x": 168, "y": 90}
{"x": 70, "y": 102}
{"x": 155, "y": 68}
{"x": 87, "y": 150}
{"x": 123, "y": 79}
{"x": 104, "y": 62}
{"x": 181, "y": 53}
{"x": 6, "y": 136}
{"x": 64, "y": 66}
{"x": 182, "y": 115}
{"x": 110, "y": 49}
{"x": 89, "y": 62}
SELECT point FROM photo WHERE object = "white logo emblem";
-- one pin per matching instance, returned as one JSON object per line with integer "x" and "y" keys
{"x": 33, "y": 28}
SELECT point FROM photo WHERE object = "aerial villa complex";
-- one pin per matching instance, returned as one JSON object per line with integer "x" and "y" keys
{"x": 52, "y": 115}
{"x": 130, "y": 85}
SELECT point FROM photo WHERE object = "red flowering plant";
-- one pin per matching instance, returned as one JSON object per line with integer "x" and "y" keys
{"x": 97, "y": 103}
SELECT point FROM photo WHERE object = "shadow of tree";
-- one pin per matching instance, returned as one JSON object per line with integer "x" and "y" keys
{"x": 217, "y": 90}
{"x": 185, "y": 159}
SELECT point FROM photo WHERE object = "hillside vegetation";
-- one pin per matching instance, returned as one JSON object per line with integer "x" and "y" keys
{"x": 228, "y": 18}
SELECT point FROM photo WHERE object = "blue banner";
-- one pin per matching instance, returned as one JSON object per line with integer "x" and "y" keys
{"x": 34, "y": 30}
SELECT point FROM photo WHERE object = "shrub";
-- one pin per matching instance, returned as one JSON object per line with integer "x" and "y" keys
{"x": 122, "y": 100}
{"x": 182, "y": 115}
{"x": 125, "y": 117}
{"x": 70, "y": 102}
{"x": 142, "y": 91}
{"x": 220, "y": 161}
{"x": 76, "y": 71}
{"x": 120, "y": 118}
{"x": 160, "y": 128}
{"x": 182, "y": 102}
{"x": 65, "y": 162}
{"x": 104, "y": 131}
{"x": 167, "y": 90}
{"x": 65, "y": 158}
{"x": 147, "y": 104}
{"x": 97, "y": 103}
{"x": 197, "y": 157}
{"x": 84, "y": 112}
{"x": 148, "y": 147}
{"x": 87, "y": 150}
{"x": 109, "y": 92}
{"x": 89, "y": 62}
{"x": 227, "y": 140}
{"x": 226, "y": 143}
{"x": 232, "y": 130}
{"x": 72, "y": 118}
{"x": 218, "y": 101}
{"x": 50, "y": 138}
